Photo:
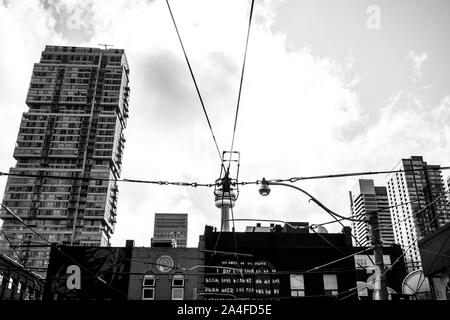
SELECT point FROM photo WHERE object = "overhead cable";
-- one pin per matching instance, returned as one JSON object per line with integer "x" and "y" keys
{"x": 195, "y": 83}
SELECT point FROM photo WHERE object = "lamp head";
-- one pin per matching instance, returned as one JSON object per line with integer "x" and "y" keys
{"x": 264, "y": 190}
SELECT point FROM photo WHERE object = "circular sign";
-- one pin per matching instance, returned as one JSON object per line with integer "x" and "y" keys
{"x": 164, "y": 264}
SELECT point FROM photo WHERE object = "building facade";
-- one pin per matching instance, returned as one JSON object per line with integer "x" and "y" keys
{"x": 170, "y": 227}
{"x": 124, "y": 273}
{"x": 17, "y": 282}
{"x": 166, "y": 274}
{"x": 435, "y": 253}
{"x": 278, "y": 264}
{"x": 366, "y": 198}
{"x": 420, "y": 186}
{"x": 88, "y": 273}
{"x": 70, "y": 138}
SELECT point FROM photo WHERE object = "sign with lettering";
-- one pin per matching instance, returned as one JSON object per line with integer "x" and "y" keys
{"x": 74, "y": 278}
{"x": 243, "y": 279}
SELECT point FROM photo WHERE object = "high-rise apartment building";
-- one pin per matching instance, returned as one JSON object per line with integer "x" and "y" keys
{"x": 364, "y": 199}
{"x": 170, "y": 227}
{"x": 71, "y": 135}
{"x": 420, "y": 186}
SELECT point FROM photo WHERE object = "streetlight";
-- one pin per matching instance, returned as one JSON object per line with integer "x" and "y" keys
{"x": 382, "y": 293}
{"x": 264, "y": 190}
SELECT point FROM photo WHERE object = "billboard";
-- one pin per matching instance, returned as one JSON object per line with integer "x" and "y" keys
{"x": 88, "y": 273}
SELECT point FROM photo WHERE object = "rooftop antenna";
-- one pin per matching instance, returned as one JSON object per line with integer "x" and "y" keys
{"x": 105, "y": 45}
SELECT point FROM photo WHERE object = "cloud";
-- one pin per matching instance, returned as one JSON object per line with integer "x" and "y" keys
{"x": 417, "y": 61}
{"x": 22, "y": 43}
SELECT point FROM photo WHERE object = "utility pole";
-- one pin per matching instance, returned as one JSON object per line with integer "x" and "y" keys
{"x": 380, "y": 289}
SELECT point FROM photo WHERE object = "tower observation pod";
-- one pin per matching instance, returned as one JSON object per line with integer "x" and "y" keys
{"x": 226, "y": 190}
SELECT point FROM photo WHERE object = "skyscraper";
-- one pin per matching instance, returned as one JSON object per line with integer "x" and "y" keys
{"x": 71, "y": 134}
{"x": 170, "y": 226}
{"x": 364, "y": 198}
{"x": 420, "y": 186}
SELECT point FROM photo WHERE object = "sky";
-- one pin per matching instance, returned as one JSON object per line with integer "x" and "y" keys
{"x": 329, "y": 87}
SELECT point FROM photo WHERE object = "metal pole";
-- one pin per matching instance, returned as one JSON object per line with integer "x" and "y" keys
{"x": 380, "y": 290}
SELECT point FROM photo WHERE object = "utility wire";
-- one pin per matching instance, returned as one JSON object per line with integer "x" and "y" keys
{"x": 379, "y": 210}
{"x": 415, "y": 240}
{"x": 296, "y": 227}
{"x": 13, "y": 248}
{"x": 241, "y": 81}
{"x": 59, "y": 249}
{"x": 340, "y": 259}
{"x": 333, "y": 214}
{"x": 332, "y": 245}
{"x": 158, "y": 182}
{"x": 423, "y": 209}
{"x": 197, "y": 184}
{"x": 195, "y": 83}
{"x": 341, "y": 175}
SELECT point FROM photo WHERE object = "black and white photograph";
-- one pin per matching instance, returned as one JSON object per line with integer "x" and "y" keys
{"x": 225, "y": 158}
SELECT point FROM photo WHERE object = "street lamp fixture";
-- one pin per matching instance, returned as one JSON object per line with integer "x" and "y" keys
{"x": 264, "y": 190}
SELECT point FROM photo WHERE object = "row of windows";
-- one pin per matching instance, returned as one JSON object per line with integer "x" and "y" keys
{"x": 298, "y": 285}
{"x": 149, "y": 287}
{"x": 28, "y": 292}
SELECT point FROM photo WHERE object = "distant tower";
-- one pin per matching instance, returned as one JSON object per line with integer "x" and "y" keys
{"x": 365, "y": 198}
{"x": 170, "y": 229}
{"x": 419, "y": 186}
{"x": 70, "y": 143}
{"x": 226, "y": 191}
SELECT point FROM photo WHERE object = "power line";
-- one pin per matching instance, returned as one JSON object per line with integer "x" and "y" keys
{"x": 331, "y": 244}
{"x": 59, "y": 249}
{"x": 195, "y": 82}
{"x": 296, "y": 227}
{"x": 337, "y": 260}
{"x": 436, "y": 253}
{"x": 197, "y": 184}
{"x": 12, "y": 247}
{"x": 77, "y": 178}
{"x": 330, "y": 212}
{"x": 415, "y": 240}
{"x": 242, "y": 79}
{"x": 341, "y": 175}
{"x": 379, "y": 210}
{"x": 423, "y": 209}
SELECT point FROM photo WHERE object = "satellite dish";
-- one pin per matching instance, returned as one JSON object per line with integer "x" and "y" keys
{"x": 415, "y": 283}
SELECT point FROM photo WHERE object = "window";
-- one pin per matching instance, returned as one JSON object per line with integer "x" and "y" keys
{"x": 177, "y": 293}
{"x": 149, "y": 280}
{"x": 148, "y": 287}
{"x": 148, "y": 293}
{"x": 11, "y": 283}
{"x": 19, "y": 287}
{"x": 178, "y": 280}
{"x": 1, "y": 279}
{"x": 178, "y": 287}
{"x": 297, "y": 285}
{"x": 330, "y": 284}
